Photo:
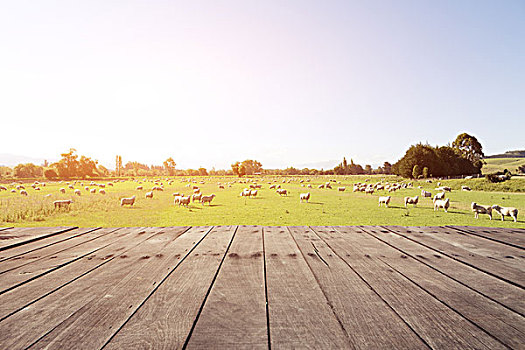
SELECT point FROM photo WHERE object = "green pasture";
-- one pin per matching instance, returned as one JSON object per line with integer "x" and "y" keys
{"x": 500, "y": 164}
{"x": 326, "y": 206}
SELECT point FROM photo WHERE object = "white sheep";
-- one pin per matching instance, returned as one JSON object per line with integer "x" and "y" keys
{"x": 341, "y": 189}
{"x": 62, "y": 190}
{"x": 282, "y": 192}
{"x": 3, "y": 188}
{"x": 130, "y": 201}
{"x": 184, "y": 201}
{"x": 304, "y": 197}
{"x": 77, "y": 192}
{"x": 101, "y": 191}
{"x": 207, "y": 199}
{"x": 506, "y": 211}
{"x": 385, "y": 200}
{"x": 149, "y": 194}
{"x": 466, "y": 188}
{"x": 197, "y": 197}
{"x": 64, "y": 203}
{"x": 176, "y": 200}
{"x": 140, "y": 188}
{"x": 411, "y": 200}
{"x": 425, "y": 194}
{"x": 253, "y": 193}
{"x": 23, "y": 192}
{"x": 93, "y": 190}
{"x": 441, "y": 203}
{"x": 481, "y": 209}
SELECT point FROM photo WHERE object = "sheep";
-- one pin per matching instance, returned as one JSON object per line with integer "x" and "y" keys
{"x": 64, "y": 203}
{"x": 23, "y": 192}
{"x": 129, "y": 201}
{"x": 440, "y": 195}
{"x": 3, "y": 188}
{"x": 481, "y": 209}
{"x": 425, "y": 194}
{"x": 86, "y": 188}
{"x": 110, "y": 184}
{"x": 71, "y": 187}
{"x": 466, "y": 188}
{"x": 93, "y": 190}
{"x": 253, "y": 193}
{"x": 176, "y": 200}
{"x": 196, "y": 191}
{"x": 304, "y": 197}
{"x": 369, "y": 190}
{"x": 506, "y": 211}
{"x": 442, "y": 203}
{"x": 178, "y": 194}
{"x": 207, "y": 199}
{"x": 282, "y": 192}
{"x": 320, "y": 186}
{"x": 385, "y": 200}
{"x": 37, "y": 188}
{"x": 184, "y": 201}
{"x": 341, "y": 189}
{"x": 140, "y": 188}
{"x": 197, "y": 197}
{"x": 62, "y": 190}
{"x": 77, "y": 192}
{"x": 411, "y": 200}
{"x": 13, "y": 191}
{"x": 149, "y": 194}
{"x": 246, "y": 193}
{"x": 221, "y": 187}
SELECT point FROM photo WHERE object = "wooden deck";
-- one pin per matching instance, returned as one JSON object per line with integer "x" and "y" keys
{"x": 262, "y": 287}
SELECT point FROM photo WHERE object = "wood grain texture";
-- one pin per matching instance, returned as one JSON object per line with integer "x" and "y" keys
{"x": 165, "y": 320}
{"x": 481, "y": 261}
{"x": 438, "y": 325}
{"x": 31, "y": 323}
{"x": 296, "y": 303}
{"x": 366, "y": 318}
{"x": 513, "y": 237}
{"x": 503, "y": 324}
{"x": 234, "y": 315}
{"x": 15, "y": 237}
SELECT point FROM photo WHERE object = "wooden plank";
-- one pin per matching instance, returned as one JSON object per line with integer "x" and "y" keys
{"x": 503, "y": 253}
{"x": 234, "y": 315}
{"x": 102, "y": 317}
{"x": 166, "y": 318}
{"x": 35, "y": 256}
{"x": 483, "y": 263}
{"x": 5, "y": 228}
{"x": 15, "y": 276}
{"x": 513, "y": 238}
{"x": 501, "y": 323}
{"x": 43, "y": 243}
{"x": 15, "y": 237}
{"x": 369, "y": 322}
{"x": 299, "y": 313}
{"x": 438, "y": 325}
{"x": 34, "y": 290}
{"x": 27, "y": 326}
{"x": 491, "y": 287}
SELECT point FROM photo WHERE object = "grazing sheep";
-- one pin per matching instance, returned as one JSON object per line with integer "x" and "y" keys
{"x": 440, "y": 195}
{"x": 62, "y": 190}
{"x": 110, "y": 184}
{"x": 481, "y": 209}
{"x": 101, "y": 191}
{"x": 341, "y": 189}
{"x": 195, "y": 191}
{"x": 93, "y": 190}
{"x": 282, "y": 192}
{"x": 385, "y": 200}
{"x": 442, "y": 203}
{"x": 411, "y": 200}
{"x": 149, "y": 194}
{"x": 246, "y": 193}
{"x": 425, "y": 194}
{"x": 71, "y": 187}
{"x": 207, "y": 199}
{"x": 446, "y": 188}
{"x": 129, "y": 201}
{"x": 140, "y": 188}
{"x": 320, "y": 186}
{"x": 197, "y": 197}
{"x": 185, "y": 201}
{"x": 466, "y": 188}
{"x": 23, "y": 192}
{"x": 506, "y": 211}
{"x": 64, "y": 203}
{"x": 176, "y": 200}
{"x": 86, "y": 188}
{"x": 77, "y": 192}
{"x": 221, "y": 187}
{"x": 304, "y": 197}
{"x": 369, "y": 190}
{"x": 253, "y": 193}
{"x": 3, "y": 188}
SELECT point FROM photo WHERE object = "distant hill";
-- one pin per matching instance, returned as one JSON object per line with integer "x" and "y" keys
{"x": 493, "y": 165}
{"x": 509, "y": 154}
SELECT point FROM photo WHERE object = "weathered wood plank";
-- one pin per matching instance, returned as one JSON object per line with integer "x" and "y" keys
{"x": 508, "y": 295}
{"x": 515, "y": 238}
{"x": 438, "y": 325}
{"x": 104, "y": 316}
{"x": 503, "y": 324}
{"x": 234, "y": 315}
{"x": 15, "y": 237}
{"x": 14, "y": 276}
{"x": 32, "y": 291}
{"x": 369, "y": 322}
{"x": 485, "y": 263}
{"x": 28, "y": 325}
{"x": 299, "y": 313}
{"x": 43, "y": 243}
{"x": 166, "y": 318}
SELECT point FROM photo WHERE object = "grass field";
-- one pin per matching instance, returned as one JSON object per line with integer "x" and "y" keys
{"x": 499, "y": 164}
{"x": 326, "y": 206}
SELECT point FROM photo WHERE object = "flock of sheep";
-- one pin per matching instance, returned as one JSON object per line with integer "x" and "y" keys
{"x": 439, "y": 201}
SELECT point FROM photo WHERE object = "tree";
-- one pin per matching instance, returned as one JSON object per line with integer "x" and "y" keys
{"x": 50, "y": 174}
{"x": 247, "y": 167}
{"x": 67, "y": 166}
{"x": 86, "y": 167}
{"x": 468, "y": 147}
{"x": 169, "y": 165}
{"x": 416, "y": 171}
{"x": 28, "y": 170}
{"x": 202, "y": 171}
{"x": 118, "y": 165}
{"x": 425, "y": 173}
{"x": 368, "y": 169}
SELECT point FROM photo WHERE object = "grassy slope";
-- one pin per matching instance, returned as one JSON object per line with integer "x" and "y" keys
{"x": 326, "y": 207}
{"x": 499, "y": 164}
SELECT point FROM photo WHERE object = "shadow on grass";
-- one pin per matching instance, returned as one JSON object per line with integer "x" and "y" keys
{"x": 316, "y": 203}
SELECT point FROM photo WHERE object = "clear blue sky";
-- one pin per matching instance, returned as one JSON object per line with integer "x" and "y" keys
{"x": 283, "y": 82}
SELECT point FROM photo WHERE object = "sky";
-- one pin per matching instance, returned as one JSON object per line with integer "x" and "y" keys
{"x": 288, "y": 83}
